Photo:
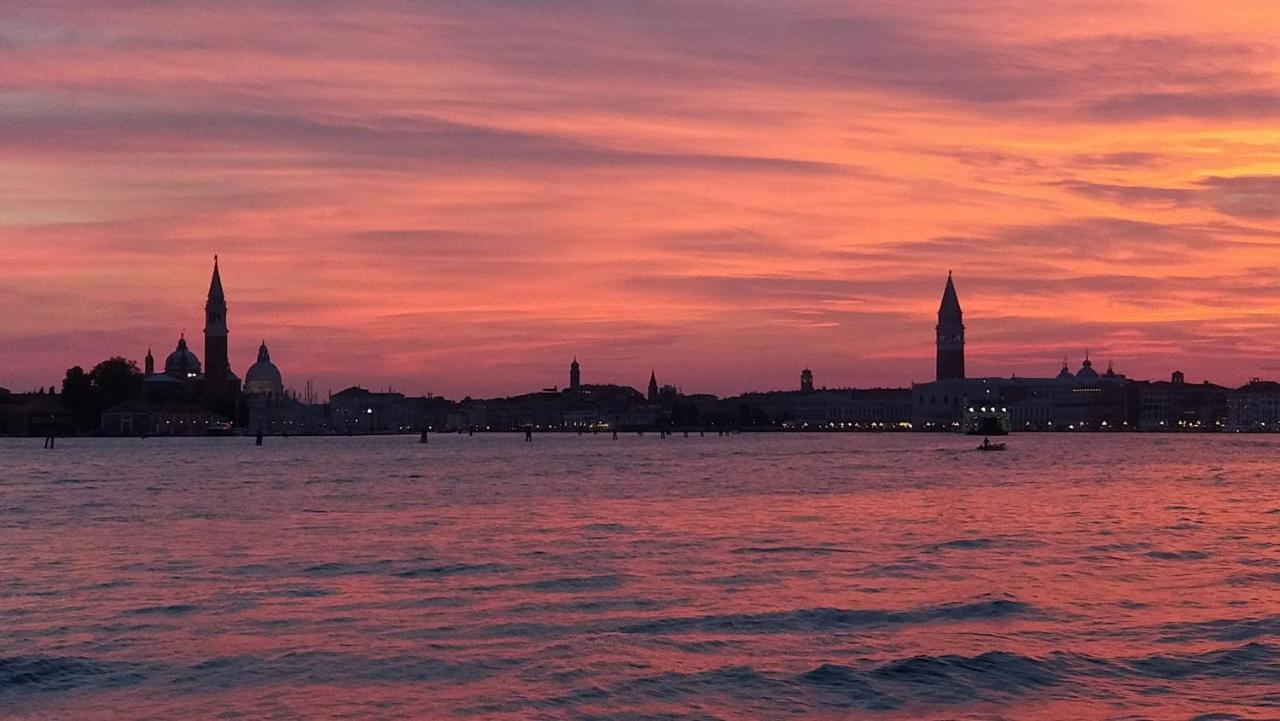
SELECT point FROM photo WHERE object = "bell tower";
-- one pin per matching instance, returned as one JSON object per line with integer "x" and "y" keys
{"x": 950, "y": 335}
{"x": 217, "y": 369}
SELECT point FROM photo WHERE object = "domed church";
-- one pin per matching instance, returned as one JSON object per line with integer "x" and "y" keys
{"x": 185, "y": 378}
{"x": 182, "y": 363}
{"x": 263, "y": 378}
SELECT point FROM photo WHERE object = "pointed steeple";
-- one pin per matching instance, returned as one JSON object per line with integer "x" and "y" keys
{"x": 215, "y": 285}
{"x": 263, "y": 355}
{"x": 653, "y": 385}
{"x": 950, "y": 307}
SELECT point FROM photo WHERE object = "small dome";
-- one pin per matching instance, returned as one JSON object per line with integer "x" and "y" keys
{"x": 263, "y": 372}
{"x": 1086, "y": 372}
{"x": 263, "y": 376}
{"x": 182, "y": 363}
{"x": 1065, "y": 373}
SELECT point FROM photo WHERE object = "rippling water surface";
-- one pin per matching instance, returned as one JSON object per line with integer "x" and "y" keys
{"x": 748, "y": 577}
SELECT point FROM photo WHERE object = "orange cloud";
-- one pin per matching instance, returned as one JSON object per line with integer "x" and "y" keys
{"x": 458, "y": 197}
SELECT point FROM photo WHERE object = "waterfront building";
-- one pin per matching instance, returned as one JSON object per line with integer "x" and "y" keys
{"x": 35, "y": 414}
{"x": 164, "y": 418}
{"x": 1085, "y": 400}
{"x": 1175, "y": 405}
{"x": 1254, "y": 406}
{"x": 853, "y": 409}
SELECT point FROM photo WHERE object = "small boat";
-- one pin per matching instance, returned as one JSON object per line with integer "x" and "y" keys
{"x": 986, "y": 446}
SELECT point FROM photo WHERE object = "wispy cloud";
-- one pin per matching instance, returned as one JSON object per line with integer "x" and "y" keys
{"x": 457, "y": 196}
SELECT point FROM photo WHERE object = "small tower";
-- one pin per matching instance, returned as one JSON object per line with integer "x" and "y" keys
{"x": 653, "y": 386}
{"x": 575, "y": 374}
{"x": 950, "y": 335}
{"x": 149, "y": 363}
{"x": 806, "y": 381}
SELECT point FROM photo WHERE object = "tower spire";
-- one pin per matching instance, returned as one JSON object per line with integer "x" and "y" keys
{"x": 950, "y": 305}
{"x": 220, "y": 383}
{"x": 215, "y": 285}
{"x": 950, "y": 334}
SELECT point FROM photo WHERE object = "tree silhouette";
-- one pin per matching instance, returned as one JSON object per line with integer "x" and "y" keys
{"x": 115, "y": 380}
{"x": 112, "y": 381}
{"x": 77, "y": 395}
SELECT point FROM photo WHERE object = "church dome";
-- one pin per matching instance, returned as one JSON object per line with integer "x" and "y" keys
{"x": 263, "y": 376}
{"x": 1086, "y": 372}
{"x": 182, "y": 363}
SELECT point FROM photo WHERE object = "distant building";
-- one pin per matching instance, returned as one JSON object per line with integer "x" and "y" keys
{"x": 360, "y": 411}
{"x": 263, "y": 377}
{"x": 950, "y": 329}
{"x": 185, "y": 379}
{"x": 166, "y": 418}
{"x": 806, "y": 381}
{"x": 1255, "y": 406}
{"x": 854, "y": 409}
{"x": 575, "y": 375}
{"x": 221, "y": 386}
{"x": 35, "y": 414}
{"x": 180, "y": 380}
{"x": 1085, "y": 400}
{"x": 1175, "y": 405}
{"x": 267, "y": 407}
{"x": 653, "y": 387}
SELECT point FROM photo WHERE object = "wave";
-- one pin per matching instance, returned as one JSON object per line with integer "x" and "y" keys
{"x": 450, "y": 569}
{"x": 569, "y": 584}
{"x": 996, "y": 676}
{"x": 810, "y": 550}
{"x": 1241, "y": 629}
{"x": 329, "y": 667}
{"x": 64, "y": 673}
{"x": 1187, "y": 555}
{"x": 824, "y": 619}
{"x": 1252, "y": 661}
{"x": 176, "y": 609}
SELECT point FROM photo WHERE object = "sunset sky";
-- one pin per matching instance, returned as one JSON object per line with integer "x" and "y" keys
{"x": 458, "y": 197}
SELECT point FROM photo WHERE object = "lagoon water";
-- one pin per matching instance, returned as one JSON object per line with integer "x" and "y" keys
{"x": 746, "y": 577}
